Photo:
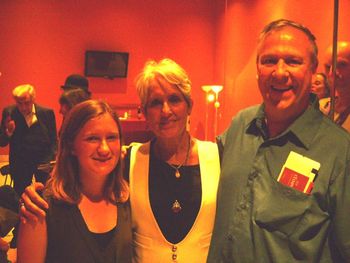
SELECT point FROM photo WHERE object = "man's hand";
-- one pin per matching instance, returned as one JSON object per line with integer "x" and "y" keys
{"x": 10, "y": 126}
{"x": 32, "y": 205}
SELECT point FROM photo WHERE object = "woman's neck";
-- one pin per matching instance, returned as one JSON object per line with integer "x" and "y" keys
{"x": 93, "y": 189}
{"x": 91, "y": 210}
{"x": 173, "y": 150}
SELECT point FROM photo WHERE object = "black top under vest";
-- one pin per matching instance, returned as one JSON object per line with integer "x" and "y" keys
{"x": 165, "y": 188}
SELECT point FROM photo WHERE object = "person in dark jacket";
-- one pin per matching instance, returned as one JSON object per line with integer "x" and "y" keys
{"x": 30, "y": 131}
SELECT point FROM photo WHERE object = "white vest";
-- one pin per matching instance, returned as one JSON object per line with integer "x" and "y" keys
{"x": 149, "y": 243}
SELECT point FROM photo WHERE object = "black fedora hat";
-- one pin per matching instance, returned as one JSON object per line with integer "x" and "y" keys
{"x": 76, "y": 81}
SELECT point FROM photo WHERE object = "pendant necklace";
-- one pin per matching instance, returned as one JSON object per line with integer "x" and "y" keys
{"x": 176, "y": 168}
{"x": 176, "y": 207}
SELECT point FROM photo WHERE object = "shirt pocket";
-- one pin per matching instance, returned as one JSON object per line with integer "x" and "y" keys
{"x": 280, "y": 208}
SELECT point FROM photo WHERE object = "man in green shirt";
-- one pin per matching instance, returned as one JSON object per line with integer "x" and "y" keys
{"x": 284, "y": 194}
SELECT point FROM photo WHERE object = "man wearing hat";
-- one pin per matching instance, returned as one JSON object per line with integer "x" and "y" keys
{"x": 76, "y": 81}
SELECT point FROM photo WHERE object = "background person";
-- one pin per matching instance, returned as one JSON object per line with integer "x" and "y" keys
{"x": 266, "y": 212}
{"x": 320, "y": 85}
{"x": 342, "y": 89}
{"x": 87, "y": 219}
{"x": 30, "y": 131}
{"x": 71, "y": 97}
{"x": 67, "y": 100}
{"x": 76, "y": 81}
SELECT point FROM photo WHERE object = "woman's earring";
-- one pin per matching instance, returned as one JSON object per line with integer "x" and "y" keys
{"x": 188, "y": 122}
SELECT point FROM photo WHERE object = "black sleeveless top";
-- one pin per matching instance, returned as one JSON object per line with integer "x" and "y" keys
{"x": 70, "y": 241}
{"x": 104, "y": 239}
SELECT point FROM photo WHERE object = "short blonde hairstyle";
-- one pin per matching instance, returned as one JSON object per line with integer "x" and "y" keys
{"x": 167, "y": 69}
{"x": 22, "y": 90}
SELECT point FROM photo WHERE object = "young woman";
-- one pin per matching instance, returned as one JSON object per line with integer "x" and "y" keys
{"x": 87, "y": 219}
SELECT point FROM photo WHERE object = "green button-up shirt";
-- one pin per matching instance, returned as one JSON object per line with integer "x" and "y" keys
{"x": 261, "y": 220}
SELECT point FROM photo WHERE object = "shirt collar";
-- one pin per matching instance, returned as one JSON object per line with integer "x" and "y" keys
{"x": 304, "y": 128}
{"x": 33, "y": 110}
{"x": 32, "y": 113}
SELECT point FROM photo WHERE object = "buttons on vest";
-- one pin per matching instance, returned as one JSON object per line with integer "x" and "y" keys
{"x": 174, "y": 257}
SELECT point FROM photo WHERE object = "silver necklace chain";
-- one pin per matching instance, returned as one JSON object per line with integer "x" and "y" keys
{"x": 176, "y": 168}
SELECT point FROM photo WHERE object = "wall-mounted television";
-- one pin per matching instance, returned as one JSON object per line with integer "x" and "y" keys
{"x": 106, "y": 64}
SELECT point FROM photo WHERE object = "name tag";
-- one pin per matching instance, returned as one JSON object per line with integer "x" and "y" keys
{"x": 299, "y": 172}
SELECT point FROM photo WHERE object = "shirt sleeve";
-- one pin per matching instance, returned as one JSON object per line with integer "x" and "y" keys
{"x": 4, "y": 139}
{"x": 340, "y": 212}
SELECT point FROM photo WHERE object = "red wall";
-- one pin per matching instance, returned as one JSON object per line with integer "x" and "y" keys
{"x": 44, "y": 41}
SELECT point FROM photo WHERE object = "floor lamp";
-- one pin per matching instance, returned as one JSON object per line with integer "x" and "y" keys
{"x": 206, "y": 89}
{"x": 212, "y": 94}
{"x": 216, "y": 89}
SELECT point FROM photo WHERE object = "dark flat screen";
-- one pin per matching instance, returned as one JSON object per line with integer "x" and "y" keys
{"x": 106, "y": 64}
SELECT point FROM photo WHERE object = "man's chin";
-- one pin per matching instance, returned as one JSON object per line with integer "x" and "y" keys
{"x": 274, "y": 108}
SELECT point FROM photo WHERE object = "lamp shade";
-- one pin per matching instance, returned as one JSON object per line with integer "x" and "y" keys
{"x": 206, "y": 88}
{"x": 217, "y": 88}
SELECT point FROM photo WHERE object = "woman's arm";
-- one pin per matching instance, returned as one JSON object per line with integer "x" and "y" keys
{"x": 32, "y": 234}
{"x": 32, "y": 242}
